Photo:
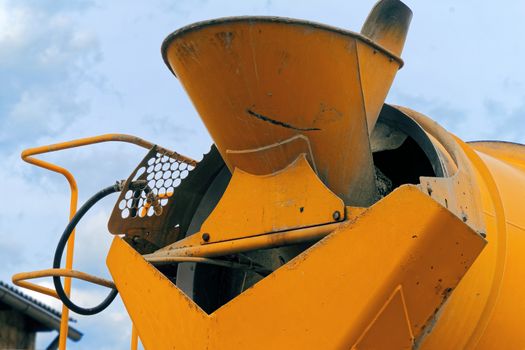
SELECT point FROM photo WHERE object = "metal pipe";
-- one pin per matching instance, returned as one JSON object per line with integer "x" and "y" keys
{"x": 99, "y": 139}
{"x": 20, "y": 277}
{"x": 265, "y": 241}
{"x": 27, "y": 157}
{"x": 134, "y": 337}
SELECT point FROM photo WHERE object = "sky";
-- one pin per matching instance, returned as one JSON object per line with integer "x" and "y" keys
{"x": 77, "y": 68}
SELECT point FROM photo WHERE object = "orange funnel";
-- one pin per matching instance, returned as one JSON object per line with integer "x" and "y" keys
{"x": 268, "y": 89}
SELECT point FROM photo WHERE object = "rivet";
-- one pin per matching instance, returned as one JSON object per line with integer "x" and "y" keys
{"x": 205, "y": 237}
{"x": 336, "y": 215}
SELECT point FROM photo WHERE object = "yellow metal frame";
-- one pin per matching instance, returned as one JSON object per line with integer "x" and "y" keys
{"x": 67, "y": 272}
{"x": 289, "y": 199}
{"x": 356, "y": 298}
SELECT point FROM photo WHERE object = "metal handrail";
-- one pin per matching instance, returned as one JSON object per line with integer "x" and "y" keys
{"x": 27, "y": 156}
{"x": 20, "y": 279}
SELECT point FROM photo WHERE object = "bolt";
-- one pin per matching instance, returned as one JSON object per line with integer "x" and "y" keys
{"x": 336, "y": 215}
{"x": 205, "y": 237}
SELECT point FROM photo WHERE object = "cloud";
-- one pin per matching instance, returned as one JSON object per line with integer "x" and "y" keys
{"x": 489, "y": 118}
{"x": 43, "y": 59}
{"x": 506, "y": 121}
{"x": 25, "y": 226}
{"x": 46, "y": 61}
{"x": 449, "y": 116}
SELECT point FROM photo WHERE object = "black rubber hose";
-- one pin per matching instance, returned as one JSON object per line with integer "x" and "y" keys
{"x": 60, "y": 250}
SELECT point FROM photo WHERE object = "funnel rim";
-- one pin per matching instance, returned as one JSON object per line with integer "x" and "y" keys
{"x": 270, "y": 19}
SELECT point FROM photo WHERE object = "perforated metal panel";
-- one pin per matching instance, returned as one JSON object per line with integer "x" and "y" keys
{"x": 163, "y": 171}
{"x": 181, "y": 184}
{"x": 163, "y": 174}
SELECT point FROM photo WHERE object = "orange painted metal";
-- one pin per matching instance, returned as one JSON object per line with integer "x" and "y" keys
{"x": 259, "y": 82}
{"x": 304, "y": 304}
{"x": 459, "y": 191}
{"x": 27, "y": 156}
{"x": 19, "y": 279}
{"x": 509, "y": 152}
{"x": 486, "y": 310}
{"x": 134, "y": 338}
{"x": 391, "y": 328}
{"x": 254, "y": 205}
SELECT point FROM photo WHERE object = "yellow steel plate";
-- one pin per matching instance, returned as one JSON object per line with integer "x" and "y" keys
{"x": 325, "y": 298}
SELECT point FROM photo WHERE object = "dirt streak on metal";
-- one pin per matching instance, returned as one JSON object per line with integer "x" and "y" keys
{"x": 277, "y": 122}
{"x": 225, "y": 38}
{"x": 433, "y": 319}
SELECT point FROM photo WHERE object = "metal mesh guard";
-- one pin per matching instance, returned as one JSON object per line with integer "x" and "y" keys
{"x": 163, "y": 174}
{"x": 164, "y": 171}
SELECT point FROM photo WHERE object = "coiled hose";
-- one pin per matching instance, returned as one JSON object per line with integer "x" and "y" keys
{"x": 65, "y": 237}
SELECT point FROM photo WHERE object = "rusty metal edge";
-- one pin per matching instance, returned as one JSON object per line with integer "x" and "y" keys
{"x": 270, "y": 19}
